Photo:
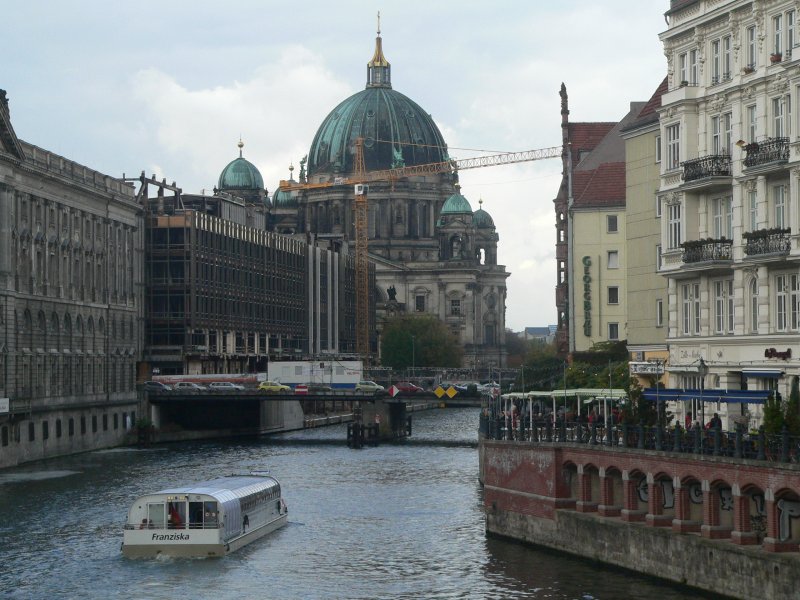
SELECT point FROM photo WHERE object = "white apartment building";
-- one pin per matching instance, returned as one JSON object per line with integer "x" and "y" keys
{"x": 728, "y": 196}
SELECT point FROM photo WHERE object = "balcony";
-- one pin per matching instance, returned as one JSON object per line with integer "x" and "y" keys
{"x": 767, "y": 242}
{"x": 704, "y": 251}
{"x": 771, "y": 151}
{"x": 707, "y": 171}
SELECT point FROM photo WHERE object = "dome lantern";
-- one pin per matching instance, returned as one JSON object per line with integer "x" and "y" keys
{"x": 379, "y": 71}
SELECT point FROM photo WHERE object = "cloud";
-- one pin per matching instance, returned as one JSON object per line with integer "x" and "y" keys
{"x": 276, "y": 112}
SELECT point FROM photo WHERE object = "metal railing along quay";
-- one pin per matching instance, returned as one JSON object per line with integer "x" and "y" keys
{"x": 740, "y": 443}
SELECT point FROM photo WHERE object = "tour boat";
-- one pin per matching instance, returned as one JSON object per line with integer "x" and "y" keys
{"x": 210, "y": 518}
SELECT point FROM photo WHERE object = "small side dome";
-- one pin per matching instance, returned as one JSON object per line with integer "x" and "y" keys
{"x": 284, "y": 198}
{"x": 456, "y": 205}
{"x": 240, "y": 174}
{"x": 482, "y": 219}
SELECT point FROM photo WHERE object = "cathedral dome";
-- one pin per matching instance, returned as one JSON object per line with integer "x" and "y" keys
{"x": 456, "y": 205}
{"x": 240, "y": 174}
{"x": 482, "y": 219}
{"x": 396, "y": 130}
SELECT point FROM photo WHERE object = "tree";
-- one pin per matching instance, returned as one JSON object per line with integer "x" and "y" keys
{"x": 792, "y": 414}
{"x": 419, "y": 341}
{"x": 773, "y": 414}
{"x": 517, "y": 348}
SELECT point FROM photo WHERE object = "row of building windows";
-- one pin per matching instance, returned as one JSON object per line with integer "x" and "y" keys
{"x": 785, "y": 305}
{"x": 722, "y": 214}
{"x": 777, "y": 124}
{"x": 9, "y": 433}
{"x": 782, "y": 39}
{"x": 49, "y": 376}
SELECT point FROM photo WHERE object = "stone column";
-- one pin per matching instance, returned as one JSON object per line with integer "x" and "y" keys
{"x": 655, "y": 504}
{"x": 682, "y": 523}
{"x": 607, "y": 507}
{"x": 630, "y": 501}
{"x": 742, "y": 533}
{"x": 584, "y": 503}
{"x": 772, "y": 542}
{"x": 711, "y": 527}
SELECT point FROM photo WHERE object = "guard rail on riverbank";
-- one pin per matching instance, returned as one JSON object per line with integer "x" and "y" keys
{"x": 738, "y": 444}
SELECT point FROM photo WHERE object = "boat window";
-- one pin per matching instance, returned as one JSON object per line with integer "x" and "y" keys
{"x": 156, "y": 515}
{"x": 195, "y": 515}
{"x": 177, "y": 515}
{"x": 210, "y": 515}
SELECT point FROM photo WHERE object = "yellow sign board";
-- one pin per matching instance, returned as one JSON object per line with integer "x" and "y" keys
{"x": 451, "y": 391}
{"x": 439, "y": 391}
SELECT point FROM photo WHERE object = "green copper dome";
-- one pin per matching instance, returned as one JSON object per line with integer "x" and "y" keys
{"x": 482, "y": 219}
{"x": 240, "y": 174}
{"x": 456, "y": 205}
{"x": 396, "y": 130}
{"x": 284, "y": 199}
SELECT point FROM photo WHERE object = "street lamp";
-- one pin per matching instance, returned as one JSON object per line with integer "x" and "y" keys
{"x": 702, "y": 370}
{"x": 413, "y": 354}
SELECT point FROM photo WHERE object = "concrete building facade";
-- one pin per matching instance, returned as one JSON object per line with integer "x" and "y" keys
{"x": 70, "y": 303}
{"x": 646, "y": 288}
{"x": 590, "y": 224}
{"x": 728, "y": 196}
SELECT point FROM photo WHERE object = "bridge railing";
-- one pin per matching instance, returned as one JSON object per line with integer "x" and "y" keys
{"x": 741, "y": 444}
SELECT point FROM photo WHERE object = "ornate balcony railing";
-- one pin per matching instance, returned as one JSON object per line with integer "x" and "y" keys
{"x": 715, "y": 165}
{"x": 697, "y": 251}
{"x": 769, "y": 151}
{"x": 767, "y": 241}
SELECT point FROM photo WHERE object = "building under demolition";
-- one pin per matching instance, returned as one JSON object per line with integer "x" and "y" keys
{"x": 225, "y": 295}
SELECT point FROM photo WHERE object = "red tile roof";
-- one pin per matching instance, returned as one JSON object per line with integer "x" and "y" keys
{"x": 603, "y": 186}
{"x": 655, "y": 100}
{"x": 585, "y": 136}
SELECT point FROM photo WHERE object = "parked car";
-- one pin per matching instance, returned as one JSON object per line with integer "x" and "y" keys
{"x": 369, "y": 387}
{"x": 406, "y": 387}
{"x": 156, "y": 386}
{"x": 273, "y": 387}
{"x": 319, "y": 388}
{"x": 225, "y": 386}
{"x": 189, "y": 386}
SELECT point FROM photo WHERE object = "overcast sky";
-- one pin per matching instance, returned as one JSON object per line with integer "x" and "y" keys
{"x": 169, "y": 86}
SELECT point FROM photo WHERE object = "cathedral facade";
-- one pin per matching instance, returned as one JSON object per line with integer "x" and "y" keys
{"x": 433, "y": 253}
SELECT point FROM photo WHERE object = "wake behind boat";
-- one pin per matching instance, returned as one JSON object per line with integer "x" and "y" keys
{"x": 210, "y": 518}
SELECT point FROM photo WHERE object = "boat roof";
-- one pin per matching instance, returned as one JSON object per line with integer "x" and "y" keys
{"x": 236, "y": 485}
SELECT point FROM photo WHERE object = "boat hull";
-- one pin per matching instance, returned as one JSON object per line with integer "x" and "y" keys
{"x": 189, "y": 543}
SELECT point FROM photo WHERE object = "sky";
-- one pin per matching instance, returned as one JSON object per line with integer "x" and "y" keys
{"x": 169, "y": 87}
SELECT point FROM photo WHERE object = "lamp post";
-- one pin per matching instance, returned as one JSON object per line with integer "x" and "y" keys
{"x": 702, "y": 370}
{"x": 413, "y": 353}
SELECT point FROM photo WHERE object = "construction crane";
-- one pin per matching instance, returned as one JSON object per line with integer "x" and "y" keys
{"x": 360, "y": 180}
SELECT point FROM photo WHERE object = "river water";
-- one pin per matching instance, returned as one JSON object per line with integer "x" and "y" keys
{"x": 400, "y": 520}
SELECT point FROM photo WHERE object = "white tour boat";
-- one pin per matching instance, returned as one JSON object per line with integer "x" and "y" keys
{"x": 211, "y": 518}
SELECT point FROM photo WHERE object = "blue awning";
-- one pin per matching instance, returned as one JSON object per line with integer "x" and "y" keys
{"x": 730, "y": 396}
{"x": 764, "y": 373}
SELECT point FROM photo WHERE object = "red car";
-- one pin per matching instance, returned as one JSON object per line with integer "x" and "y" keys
{"x": 406, "y": 387}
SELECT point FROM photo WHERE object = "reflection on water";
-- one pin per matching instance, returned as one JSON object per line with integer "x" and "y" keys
{"x": 396, "y": 521}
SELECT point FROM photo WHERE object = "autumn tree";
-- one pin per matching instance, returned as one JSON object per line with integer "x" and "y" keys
{"x": 419, "y": 341}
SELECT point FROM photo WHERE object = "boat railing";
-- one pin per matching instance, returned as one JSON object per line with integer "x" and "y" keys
{"x": 171, "y": 526}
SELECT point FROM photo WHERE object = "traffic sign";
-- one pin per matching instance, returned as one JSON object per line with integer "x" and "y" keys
{"x": 451, "y": 391}
{"x": 439, "y": 391}
{"x": 393, "y": 391}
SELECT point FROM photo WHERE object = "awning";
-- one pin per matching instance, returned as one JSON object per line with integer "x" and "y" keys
{"x": 765, "y": 373}
{"x": 730, "y": 396}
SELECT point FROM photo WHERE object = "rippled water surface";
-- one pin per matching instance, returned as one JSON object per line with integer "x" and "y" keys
{"x": 397, "y": 521}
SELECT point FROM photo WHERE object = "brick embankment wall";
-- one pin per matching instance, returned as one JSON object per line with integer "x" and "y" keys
{"x": 529, "y": 497}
